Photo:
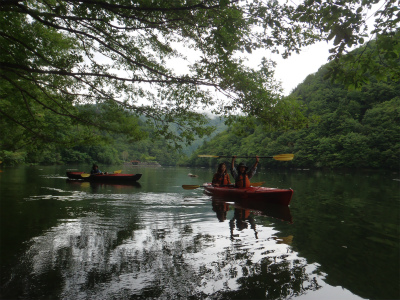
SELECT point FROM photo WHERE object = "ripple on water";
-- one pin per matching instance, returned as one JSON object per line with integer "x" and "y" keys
{"x": 71, "y": 196}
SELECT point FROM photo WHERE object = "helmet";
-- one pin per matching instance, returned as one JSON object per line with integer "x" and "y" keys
{"x": 242, "y": 164}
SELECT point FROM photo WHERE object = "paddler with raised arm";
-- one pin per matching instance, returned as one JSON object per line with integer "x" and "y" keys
{"x": 241, "y": 174}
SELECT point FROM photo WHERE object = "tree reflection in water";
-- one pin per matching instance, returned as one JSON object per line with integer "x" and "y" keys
{"x": 161, "y": 255}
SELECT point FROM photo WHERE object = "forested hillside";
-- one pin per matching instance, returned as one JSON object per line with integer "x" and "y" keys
{"x": 105, "y": 148}
{"x": 351, "y": 129}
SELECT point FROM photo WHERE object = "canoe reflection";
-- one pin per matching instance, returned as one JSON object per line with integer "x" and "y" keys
{"x": 244, "y": 211}
{"x": 96, "y": 186}
{"x": 242, "y": 218}
{"x": 221, "y": 207}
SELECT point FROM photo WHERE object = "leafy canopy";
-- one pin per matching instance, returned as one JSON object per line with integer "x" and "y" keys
{"x": 56, "y": 56}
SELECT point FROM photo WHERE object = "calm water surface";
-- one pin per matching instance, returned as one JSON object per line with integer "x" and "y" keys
{"x": 70, "y": 240}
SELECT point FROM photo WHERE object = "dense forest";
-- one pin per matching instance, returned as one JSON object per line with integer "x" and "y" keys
{"x": 108, "y": 148}
{"x": 347, "y": 129}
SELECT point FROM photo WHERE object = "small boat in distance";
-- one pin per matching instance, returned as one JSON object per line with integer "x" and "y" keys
{"x": 259, "y": 193}
{"x": 109, "y": 178}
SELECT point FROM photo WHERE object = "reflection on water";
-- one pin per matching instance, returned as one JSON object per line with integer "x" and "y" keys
{"x": 71, "y": 240}
{"x": 244, "y": 210}
{"x": 96, "y": 187}
{"x": 135, "y": 251}
{"x": 259, "y": 208}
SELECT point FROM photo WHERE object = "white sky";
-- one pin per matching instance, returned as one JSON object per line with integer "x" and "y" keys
{"x": 293, "y": 70}
{"x": 290, "y": 72}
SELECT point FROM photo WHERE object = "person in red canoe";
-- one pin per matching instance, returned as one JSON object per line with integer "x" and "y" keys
{"x": 95, "y": 170}
{"x": 241, "y": 174}
{"x": 221, "y": 177}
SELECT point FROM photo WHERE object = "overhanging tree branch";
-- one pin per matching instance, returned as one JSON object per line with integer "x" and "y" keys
{"x": 118, "y": 53}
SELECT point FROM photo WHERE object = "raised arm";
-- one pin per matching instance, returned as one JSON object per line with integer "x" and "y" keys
{"x": 233, "y": 162}
{"x": 257, "y": 161}
{"x": 254, "y": 168}
{"x": 233, "y": 169}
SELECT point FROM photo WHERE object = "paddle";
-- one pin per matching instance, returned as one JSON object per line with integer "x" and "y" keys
{"x": 193, "y": 186}
{"x": 281, "y": 157}
{"x": 257, "y": 183}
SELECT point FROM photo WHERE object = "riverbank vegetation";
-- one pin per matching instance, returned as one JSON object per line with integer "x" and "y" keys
{"x": 105, "y": 148}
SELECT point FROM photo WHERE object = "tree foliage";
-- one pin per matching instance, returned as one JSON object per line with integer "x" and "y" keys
{"x": 109, "y": 148}
{"x": 355, "y": 129}
{"x": 348, "y": 24}
{"x": 58, "y": 55}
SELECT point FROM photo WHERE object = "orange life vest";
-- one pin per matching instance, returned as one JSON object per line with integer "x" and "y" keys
{"x": 242, "y": 181}
{"x": 221, "y": 179}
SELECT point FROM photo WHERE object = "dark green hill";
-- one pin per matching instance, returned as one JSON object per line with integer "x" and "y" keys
{"x": 351, "y": 129}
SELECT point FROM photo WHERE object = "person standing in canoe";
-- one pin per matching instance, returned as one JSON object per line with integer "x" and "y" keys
{"x": 221, "y": 177}
{"x": 241, "y": 174}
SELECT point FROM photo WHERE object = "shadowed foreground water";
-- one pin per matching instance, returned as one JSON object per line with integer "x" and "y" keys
{"x": 63, "y": 239}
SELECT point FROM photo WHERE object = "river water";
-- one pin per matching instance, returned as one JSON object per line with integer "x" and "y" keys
{"x": 61, "y": 239}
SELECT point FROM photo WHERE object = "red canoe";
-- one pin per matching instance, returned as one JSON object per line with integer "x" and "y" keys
{"x": 115, "y": 178}
{"x": 265, "y": 194}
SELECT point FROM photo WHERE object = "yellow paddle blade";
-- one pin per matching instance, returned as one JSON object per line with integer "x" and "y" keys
{"x": 117, "y": 172}
{"x": 85, "y": 175}
{"x": 85, "y": 184}
{"x": 190, "y": 187}
{"x": 257, "y": 183}
{"x": 283, "y": 157}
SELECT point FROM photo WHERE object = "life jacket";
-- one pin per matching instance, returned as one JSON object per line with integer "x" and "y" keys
{"x": 242, "y": 214}
{"x": 242, "y": 181}
{"x": 222, "y": 179}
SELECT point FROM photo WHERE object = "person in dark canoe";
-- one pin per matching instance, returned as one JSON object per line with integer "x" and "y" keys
{"x": 221, "y": 177}
{"x": 241, "y": 174}
{"x": 95, "y": 170}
